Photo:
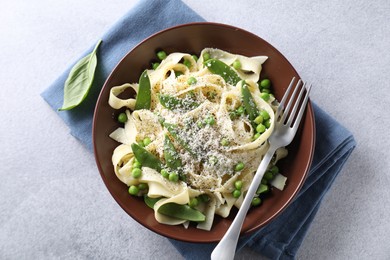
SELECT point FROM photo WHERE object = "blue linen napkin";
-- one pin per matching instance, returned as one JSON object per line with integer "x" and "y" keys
{"x": 281, "y": 238}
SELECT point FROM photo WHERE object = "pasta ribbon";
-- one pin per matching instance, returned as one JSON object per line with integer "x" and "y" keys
{"x": 206, "y": 131}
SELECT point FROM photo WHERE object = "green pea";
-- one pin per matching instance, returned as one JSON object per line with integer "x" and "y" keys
{"x": 274, "y": 169}
{"x": 199, "y": 124}
{"x": 238, "y": 184}
{"x": 210, "y": 120}
{"x": 133, "y": 190}
{"x": 268, "y": 175}
{"x": 173, "y": 177}
{"x": 257, "y": 135}
{"x": 258, "y": 120}
{"x": 161, "y": 55}
{"x": 240, "y": 110}
{"x": 142, "y": 186}
{"x": 165, "y": 173}
{"x": 265, "y": 96}
{"x": 187, "y": 63}
{"x": 206, "y": 56}
{"x": 191, "y": 80}
{"x": 137, "y": 164}
{"x": 147, "y": 141}
{"x": 239, "y": 166}
{"x": 237, "y": 64}
{"x": 236, "y": 193}
{"x": 193, "y": 202}
{"x": 224, "y": 142}
{"x": 256, "y": 201}
{"x": 194, "y": 57}
{"x": 260, "y": 128}
{"x": 267, "y": 123}
{"x": 264, "y": 114}
{"x": 266, "y": 90}
{"x": 155, "y": 65}
{"x": 122, "y": 118}
{"x": 136, "y": 173}
{"x": 265, "y": 83}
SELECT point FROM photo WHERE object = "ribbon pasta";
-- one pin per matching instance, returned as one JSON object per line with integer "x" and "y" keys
{"x": 203, "y": 119}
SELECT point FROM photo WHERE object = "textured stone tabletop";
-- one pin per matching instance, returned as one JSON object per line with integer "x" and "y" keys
{"x": 54, "y": 204}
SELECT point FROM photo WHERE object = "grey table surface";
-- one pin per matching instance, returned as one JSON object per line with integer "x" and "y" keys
{"x": 55, "y": 206}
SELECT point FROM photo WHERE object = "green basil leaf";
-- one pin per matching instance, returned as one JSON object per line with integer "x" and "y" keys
{"x": 79, "y": 80}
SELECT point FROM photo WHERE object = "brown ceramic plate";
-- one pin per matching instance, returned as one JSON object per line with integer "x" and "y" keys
{"x": 192, "y": 38}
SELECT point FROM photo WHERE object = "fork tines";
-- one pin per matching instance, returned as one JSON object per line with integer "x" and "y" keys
{"x": 302, "y": 89}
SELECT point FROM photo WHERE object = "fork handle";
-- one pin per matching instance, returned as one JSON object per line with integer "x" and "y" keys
{"x": 226, "y": 248}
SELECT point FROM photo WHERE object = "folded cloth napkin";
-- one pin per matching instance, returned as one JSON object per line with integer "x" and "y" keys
{"x": 281, "y": 238}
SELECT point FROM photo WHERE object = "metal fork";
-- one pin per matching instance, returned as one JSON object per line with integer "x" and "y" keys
{"x": 286, "y": 125}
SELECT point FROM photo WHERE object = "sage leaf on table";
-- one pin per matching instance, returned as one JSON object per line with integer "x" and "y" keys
{"x": 79, "y": 80}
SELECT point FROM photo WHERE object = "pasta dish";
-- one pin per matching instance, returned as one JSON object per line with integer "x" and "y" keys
{"x": 192, "y": 138}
